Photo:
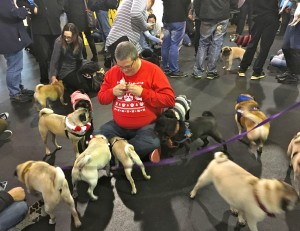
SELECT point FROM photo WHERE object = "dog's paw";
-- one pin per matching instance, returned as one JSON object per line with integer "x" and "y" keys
{"x": 192, "y": 194}
{"x": 234, "y": 212}
{"x": 242, "y": 223}
{"x": 133, "y": 192}
{"x": 94, "y": 197}
{"x": 52, "y": 221}
{"x": 59, "y": 147}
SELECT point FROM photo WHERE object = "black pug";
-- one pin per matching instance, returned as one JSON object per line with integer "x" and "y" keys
{"x": 79, "y": 99}
{"x": 176, "y": 133}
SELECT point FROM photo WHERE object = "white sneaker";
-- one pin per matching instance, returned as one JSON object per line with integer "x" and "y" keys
{"x": 4, "y": 115}
{"x": 5, "y": 135}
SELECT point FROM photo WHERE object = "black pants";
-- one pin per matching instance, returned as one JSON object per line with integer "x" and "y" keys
{"x": 43, "y": 47}
{"x": 245, "y": 10}
{"x": 264, "y": 30}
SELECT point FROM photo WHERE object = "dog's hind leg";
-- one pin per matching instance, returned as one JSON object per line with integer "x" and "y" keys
{"x": 49, "y": 210}
{"x": 252, "y": 223}
{"x": 203, "y": 180}
{"x": 130, "y": 179}
{"x": 62, "y": 100}
{"x": 75, "y": 147}
{"x": 44, "y": 136}
{"x": 92, "y": 185}
{"x": 55, "y": 142}
{"x": 138, "y": 161}
{"x": 66, "y": 196}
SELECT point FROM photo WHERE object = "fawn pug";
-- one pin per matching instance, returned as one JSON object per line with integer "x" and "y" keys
{"x": 49, "y": 92}
{"x": 124, "y": 152}
{"x": 228, "y": 54}
{"x": 73, "y": 126}
{"x": 247, "y": 116}
{"x": 86, "y": 166}
{"x": 249, "y": 197}
{"x": 293, "y": 153}
{"x": 50, "y": 181}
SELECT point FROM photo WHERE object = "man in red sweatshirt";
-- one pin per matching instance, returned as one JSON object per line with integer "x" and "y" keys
{"x": 138, "y": 91}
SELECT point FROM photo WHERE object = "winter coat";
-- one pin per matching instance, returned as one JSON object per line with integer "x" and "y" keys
{"x": 14, "y": 36}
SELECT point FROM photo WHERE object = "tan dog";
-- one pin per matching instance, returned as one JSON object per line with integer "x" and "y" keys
{"x": 249, "y": 197}
{"x": 124, "y": 152}
{"x": 247, "y": 116}
{"x": 293, "y": 153}
{"x": 50, "y": 181}
{"x": 228, "y": 54}
{"x": 49, "y": 92}
{"x": 73, "y": 126}
{"x": 86, "y": 166}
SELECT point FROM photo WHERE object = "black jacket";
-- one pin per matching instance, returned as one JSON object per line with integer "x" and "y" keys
{"x": 14, "y": 36}
{"x": 175, "y": 10}
{"x": 76, "y": 13}
{"x": 216, "y": 10}
{"x": 47, "y": 20}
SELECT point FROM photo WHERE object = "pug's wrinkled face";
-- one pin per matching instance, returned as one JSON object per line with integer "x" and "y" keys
{"x": 226, "y": 51}
{"x": 80, "y": 117}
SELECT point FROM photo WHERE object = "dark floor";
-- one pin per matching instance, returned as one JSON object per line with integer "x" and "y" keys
{"x": 163, "y": 204}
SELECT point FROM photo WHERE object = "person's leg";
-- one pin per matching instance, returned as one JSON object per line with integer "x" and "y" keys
{"x": 216, "y": 46}
{"x": 111, "y": 129}
{"x": 91, "y": 43}
{"x": 104, "y": 23}
{"x": 177, "y": 33}
{"x": 197, "y": 35}
{"x": 267, "y": 38}
{"x": 165, "y": 47}
{"x": 206, "y": 31}
{"x": 12, "y": 215}
{"x": 13, "y": 73}
{"x": 242, "y": 15}
{"x": 41, "y": 47}
{"x": 145, "y": 141}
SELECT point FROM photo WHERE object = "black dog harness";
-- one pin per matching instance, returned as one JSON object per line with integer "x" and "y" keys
{"x": 115, "y": 141}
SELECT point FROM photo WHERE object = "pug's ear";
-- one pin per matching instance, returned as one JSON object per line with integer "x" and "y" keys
{"x": 285, "y": 204}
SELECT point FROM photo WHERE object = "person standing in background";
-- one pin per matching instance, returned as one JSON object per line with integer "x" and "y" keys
{"x": 14, "y": 38}
{"x": 265, "y": 25}
{"x": 76, "y": 14}
{"x": 174, "y": 20}
{"x": 45, "y": 25}
{"x": 246, "y": 10}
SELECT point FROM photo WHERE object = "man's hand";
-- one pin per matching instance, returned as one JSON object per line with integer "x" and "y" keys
{"x": 136, "y": 90}
{"x": 120, "y": 89}
{"x": 54, "y": 80}
{"x": 18, "y": 193}
{"x": 296, "y": 18}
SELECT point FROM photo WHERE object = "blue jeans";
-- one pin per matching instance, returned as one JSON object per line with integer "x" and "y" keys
{"x": 104, "y": 26}
{"x": 12, "y": 215}
{"x": 144, "y": 139}
{"x": 291, "y": 37}
{"x": 211, "y": 41}
{"x": 13, "y": 74}
{"x": 173, "y": 35}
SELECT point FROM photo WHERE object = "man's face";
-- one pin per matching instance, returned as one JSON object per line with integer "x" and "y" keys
{"x": 128, "y": 66}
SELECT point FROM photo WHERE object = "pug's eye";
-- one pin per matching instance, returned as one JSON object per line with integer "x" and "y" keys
{"x": 82, "y": 117}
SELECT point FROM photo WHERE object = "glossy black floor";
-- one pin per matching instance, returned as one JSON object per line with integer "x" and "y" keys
{"x": 163, "y": 204}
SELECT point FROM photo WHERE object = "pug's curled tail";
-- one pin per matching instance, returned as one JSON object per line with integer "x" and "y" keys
{"x": 83, "y": 161}
{"x": 59, "y": 179}
{"x": 220, "y": 157}
{"x": 45, "y": 111}
{"x": 37, "y": 88}
{"x": 129, "y": 150}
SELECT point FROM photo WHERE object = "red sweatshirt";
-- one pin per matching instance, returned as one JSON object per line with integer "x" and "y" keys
{"x": 129, "y": 111}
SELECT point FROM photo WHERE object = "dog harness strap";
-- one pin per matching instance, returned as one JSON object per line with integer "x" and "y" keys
{"x": 26, "y": 169}
{"x": 263, "y": 208}
{"x": 116, "y": 141}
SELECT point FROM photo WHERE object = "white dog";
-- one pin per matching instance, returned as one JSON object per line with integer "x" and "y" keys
{"x": 248, "y": 196}
{"x": 86, "y": 166}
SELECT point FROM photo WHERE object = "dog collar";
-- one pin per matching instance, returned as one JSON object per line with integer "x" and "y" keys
{"x": 116, "y": 140}
{"x": 26, "y": 169}
{"x": 80, "y": 130}
{"x": 242, "y": 98}
{"x": 260, "y": 204}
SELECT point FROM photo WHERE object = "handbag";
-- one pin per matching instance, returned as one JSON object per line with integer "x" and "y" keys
{"x": 91, "y": 20}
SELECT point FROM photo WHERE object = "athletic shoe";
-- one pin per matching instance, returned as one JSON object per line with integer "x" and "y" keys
{"x": 27, "y": 92}
{"x": 256, "y": 76}
{"x": 197, "y": 76}
{"x": 21, "y": 98}
{"x": 178, "y": 74}
{"x": 283, "y": 75}
{"x": 4, "y": 115}
{"x": 5, "y": 135}
{"x": 155, "y": 156}
{"x": 291, "y": 79}
{"x": 212, "y": 75}
{"x": 241, "y": 73}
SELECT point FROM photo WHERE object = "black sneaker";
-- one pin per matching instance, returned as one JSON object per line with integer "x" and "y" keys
{"x": 291, "y": 79}
{"x": 5, "y": 135}
{"x": 283, "y": 75}
{"x": 21, "y": 98}
{"x": 256, "y": 76}
{"x": 178, "y": 74}
{"x": 27, "y": 92}
{"x": 212, "y": 75}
